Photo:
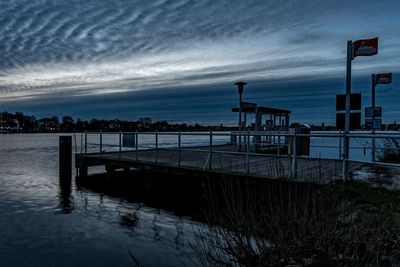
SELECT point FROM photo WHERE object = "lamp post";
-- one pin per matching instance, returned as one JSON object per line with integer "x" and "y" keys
{"x": 240, "y": 86}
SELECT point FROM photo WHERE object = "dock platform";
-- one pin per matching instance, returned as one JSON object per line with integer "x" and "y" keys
{"x": 221, "y": 161}
{"x": 226, "y": 158}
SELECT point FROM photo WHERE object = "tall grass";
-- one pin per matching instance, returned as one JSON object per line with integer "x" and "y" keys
{"x": 390, "y": 151}
{"x": 281, "y": 223}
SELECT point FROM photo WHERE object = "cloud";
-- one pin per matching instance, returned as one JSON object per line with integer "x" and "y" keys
{"x": 96, "y": 47}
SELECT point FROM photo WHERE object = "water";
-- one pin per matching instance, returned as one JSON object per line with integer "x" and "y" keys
{"x": 43, "y": 225}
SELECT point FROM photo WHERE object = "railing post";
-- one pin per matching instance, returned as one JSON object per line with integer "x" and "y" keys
{"x": 340, "y": 144}
{"x": 156, "y": 155}
{"x": 179, "y": 148}
{"x": 210, "y": 153}
{"x": 373, "y": 146}
{"x": 293, "y": 172}
{"x": 85, "y": 142}
{"x": 120, "y": 144}
{"x": 137, "y": 145}
{"x": 248, "y": 153}
{"x": 345, "y": 168}
{"x": 81, "y": 143}
{"x": 279, "y": 143}
{"x": 101, "y": 142}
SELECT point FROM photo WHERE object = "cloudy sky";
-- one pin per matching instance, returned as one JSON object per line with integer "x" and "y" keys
{"x": 178, "y": 59}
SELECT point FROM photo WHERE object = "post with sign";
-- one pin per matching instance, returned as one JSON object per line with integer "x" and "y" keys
{"x": 383, "y": 78}
{"x": 347, "y": 116}
{"x": 373, "y": 83}
{"x": 366, "y": 47}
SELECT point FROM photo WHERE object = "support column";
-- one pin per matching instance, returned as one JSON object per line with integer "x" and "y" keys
{"x": 65, "y": 158}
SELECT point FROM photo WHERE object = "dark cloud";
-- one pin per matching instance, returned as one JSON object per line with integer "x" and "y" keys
{"x": 109, "y": 49}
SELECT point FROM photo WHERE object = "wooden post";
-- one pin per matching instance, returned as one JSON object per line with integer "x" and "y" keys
{"x": 65, "y": 158}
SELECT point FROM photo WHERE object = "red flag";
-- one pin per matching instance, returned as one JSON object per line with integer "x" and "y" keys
{"x": 367, "y": 47}
{"x": 383, "y": 78}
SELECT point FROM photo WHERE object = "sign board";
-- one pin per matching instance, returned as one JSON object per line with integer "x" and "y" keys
{"x": 377, "y": 124}
{"x": 366, "y": 47}
{"x": 373, "y": 124}
{"x": 373, "y": 112}
{"x": 355, "y": 102}
{"x": 383, "y": 78}
{"x": 248, "y": 105}
{"x": 128, "y": 140}
{"x": 355, "y": 121}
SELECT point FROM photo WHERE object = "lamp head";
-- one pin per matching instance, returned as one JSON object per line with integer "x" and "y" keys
{"x": 240, "y": 86}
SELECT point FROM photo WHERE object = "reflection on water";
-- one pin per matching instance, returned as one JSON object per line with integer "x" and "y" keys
{"x": 66, "y": 203}
{"x": 46, "y": 221}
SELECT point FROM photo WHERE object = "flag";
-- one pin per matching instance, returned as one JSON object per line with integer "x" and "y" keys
{"x": 383, "y": 78}
{"x": 366, "y": 47}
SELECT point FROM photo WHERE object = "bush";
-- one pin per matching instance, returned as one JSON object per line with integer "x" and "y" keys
{"x": 283, "y": 223}
{"x": 390, "y": 151}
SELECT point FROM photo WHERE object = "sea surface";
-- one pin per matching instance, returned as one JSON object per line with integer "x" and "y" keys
{"x": 40, "y": 225}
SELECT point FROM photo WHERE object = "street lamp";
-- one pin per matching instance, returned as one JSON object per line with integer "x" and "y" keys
{"x": 240, "y": 86}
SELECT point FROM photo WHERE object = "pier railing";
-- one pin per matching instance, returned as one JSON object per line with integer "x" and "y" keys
{"x": 249, "y": 148}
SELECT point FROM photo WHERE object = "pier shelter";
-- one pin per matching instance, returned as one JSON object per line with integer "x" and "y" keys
{"x": 277, "y": 119}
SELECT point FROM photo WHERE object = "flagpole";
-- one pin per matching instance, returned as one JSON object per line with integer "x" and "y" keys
{"x": 347, "y": 117}
{"x": 373, "y": 82}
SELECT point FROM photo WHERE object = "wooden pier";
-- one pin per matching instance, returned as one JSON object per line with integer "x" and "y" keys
{"x": 195, "y": 162}
{"x": 268, "y": 162}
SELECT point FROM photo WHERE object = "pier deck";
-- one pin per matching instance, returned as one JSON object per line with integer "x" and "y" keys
{"x": 174, "y": 153}
{"x": 222, "y": 161}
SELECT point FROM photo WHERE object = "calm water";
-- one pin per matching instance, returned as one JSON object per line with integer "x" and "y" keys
{"x": 42, "y": 225}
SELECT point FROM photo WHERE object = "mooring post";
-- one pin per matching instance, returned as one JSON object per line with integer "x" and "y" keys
{"x": 101, "y": 142}
{"x": 65, "y": 158}
{"x": 179, "y": 148}
{"x": 137, "y": 144}
{"x": 156, "y": 136}
{"x": 120, "y": 144}
{"x": 210, "y": 152}
{"x": 248, "y": 153}
{"x": 293, "y": 172}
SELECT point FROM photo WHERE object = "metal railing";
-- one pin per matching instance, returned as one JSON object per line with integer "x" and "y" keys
{"x": 253, "y": 144}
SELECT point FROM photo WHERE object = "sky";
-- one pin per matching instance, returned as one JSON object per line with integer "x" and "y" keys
{"x": 178, "y": 60}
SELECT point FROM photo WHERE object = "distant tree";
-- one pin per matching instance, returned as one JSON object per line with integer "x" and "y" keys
{"x": 55, "y": 120}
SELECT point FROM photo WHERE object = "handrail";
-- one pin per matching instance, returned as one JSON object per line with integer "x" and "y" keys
{"x": 242, "y": 139}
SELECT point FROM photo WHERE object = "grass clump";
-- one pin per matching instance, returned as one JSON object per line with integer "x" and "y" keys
{"x": 284, "y": 223}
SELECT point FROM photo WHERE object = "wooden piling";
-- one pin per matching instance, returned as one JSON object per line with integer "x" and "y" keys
{"x": 65, "y": 158}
